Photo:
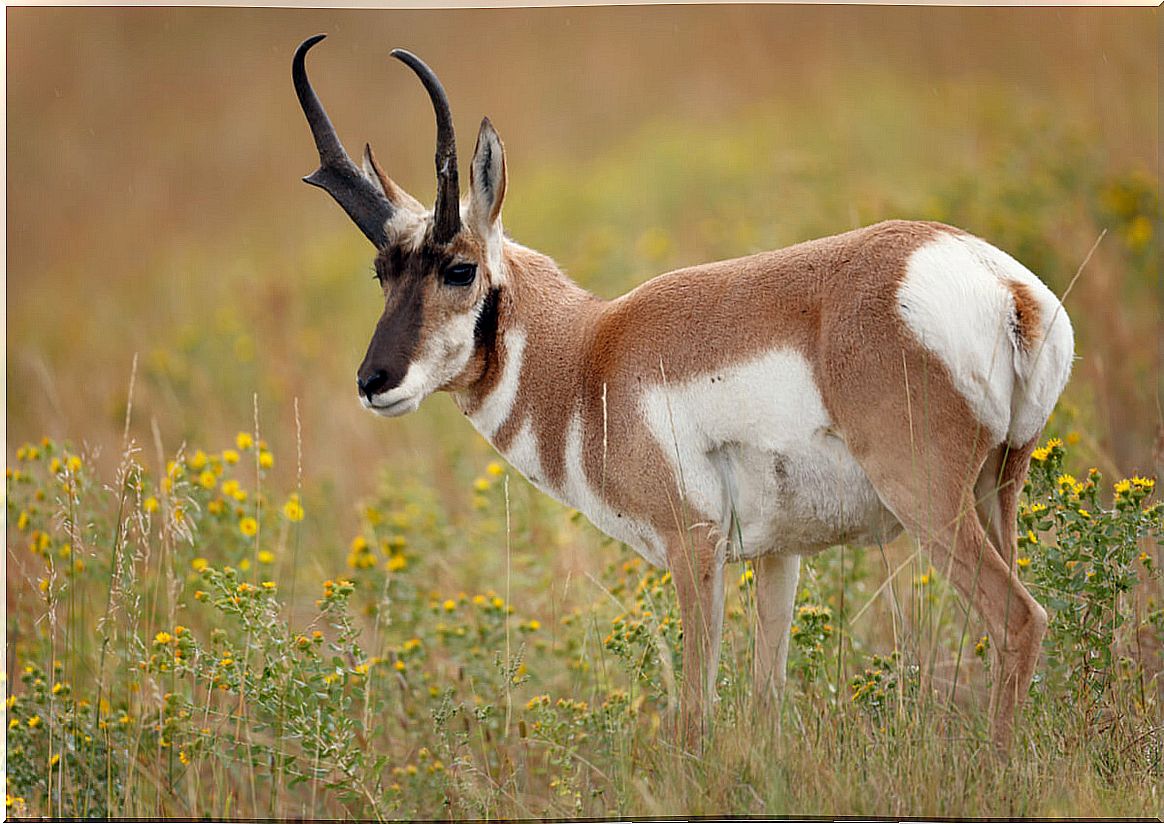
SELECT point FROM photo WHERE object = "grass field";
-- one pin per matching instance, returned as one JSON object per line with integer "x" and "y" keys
{"x": 231, "y": 592}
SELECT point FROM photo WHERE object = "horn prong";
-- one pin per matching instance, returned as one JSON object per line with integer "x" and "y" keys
{"x": 365, "y": 204}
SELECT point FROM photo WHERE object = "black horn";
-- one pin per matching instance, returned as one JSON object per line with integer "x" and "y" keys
{"x": 447, "y": 211}
{"x": 337, "y": 175}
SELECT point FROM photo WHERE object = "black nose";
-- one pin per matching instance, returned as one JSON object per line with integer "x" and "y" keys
{"x": 373, "y": 384}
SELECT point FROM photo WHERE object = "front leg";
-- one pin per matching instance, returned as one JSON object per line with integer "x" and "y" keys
{"x": 697, "y": 569}
{"x": 776, "y": 579}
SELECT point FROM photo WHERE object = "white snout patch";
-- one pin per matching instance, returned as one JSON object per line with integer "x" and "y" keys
{"x": 383, "y": 405}
{"x": 443, "y": 354}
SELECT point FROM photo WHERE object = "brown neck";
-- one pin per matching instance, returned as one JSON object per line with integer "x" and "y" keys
{"x": 556, "y": 316}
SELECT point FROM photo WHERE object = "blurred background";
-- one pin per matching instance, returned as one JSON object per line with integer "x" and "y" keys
{"x": 155, "y": 206}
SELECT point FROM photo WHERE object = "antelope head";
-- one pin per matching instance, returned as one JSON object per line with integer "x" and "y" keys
{"x": 440, "y": 270}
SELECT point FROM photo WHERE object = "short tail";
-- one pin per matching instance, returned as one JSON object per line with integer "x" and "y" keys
{"x": 1044, "y": 346}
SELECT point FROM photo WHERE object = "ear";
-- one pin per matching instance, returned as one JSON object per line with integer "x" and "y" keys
{"x": 396, "y": 196}
{"x": 487, "y": 182}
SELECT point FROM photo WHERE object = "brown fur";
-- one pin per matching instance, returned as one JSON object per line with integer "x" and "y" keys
{"x": 1028, "y": 320}
{"x": 832, "y": 299}
{"x": 835, "y": 301}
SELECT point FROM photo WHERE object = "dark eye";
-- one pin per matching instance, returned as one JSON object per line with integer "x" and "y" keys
{"x": 460, "y": 274}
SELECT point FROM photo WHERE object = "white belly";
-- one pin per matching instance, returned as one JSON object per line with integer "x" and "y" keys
{"x": 753, "y": 447}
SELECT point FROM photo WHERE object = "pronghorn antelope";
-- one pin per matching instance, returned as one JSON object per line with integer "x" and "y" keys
{"x": 761, "y": 408}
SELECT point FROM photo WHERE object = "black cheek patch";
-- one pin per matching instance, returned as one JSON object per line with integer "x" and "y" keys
{"x": 485, "y": 330}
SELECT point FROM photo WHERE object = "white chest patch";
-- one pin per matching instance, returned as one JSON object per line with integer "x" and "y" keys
{"x": 497, "y": 406}
{"x": 752, "y": 447}
{"x": 582, "y": 494}
{"x": 523, "y": 455}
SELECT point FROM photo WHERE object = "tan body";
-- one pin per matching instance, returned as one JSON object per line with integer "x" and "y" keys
{"x": 768, "y": 407}
{"x": 892, "y": 452}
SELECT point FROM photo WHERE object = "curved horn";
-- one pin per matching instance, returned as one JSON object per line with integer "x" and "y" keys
{"x": 447, "y": 211}
{"x": 337, "y": 174}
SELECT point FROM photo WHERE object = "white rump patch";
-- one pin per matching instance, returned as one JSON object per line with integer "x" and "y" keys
{"x": 955, "y": 300}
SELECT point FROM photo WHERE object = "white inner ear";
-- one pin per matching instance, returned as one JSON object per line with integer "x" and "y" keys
{"x": 487, "y": 184}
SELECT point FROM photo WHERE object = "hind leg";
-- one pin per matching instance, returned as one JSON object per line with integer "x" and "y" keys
{"x": 988, "y": 501}
{"x": 997, "y": 491}
{"x": 776, "y": 579}
{"x": 941, "y": 515}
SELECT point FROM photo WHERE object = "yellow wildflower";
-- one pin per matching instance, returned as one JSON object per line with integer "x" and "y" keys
{"x": 449, "y": 605}
{"x": 293, "y": 510}
{"x": 55, "y": 465}
{"x": 1123, "y": 487}
{"x": 207, "y": 479}
{"x": 54, "y": 760}
{"x": 229, "y": 456}
{"x": 150, "y": 504}
{"x": 1023, "y": 562}
{"x": 163, "y": 638}
{"x": 244, "y": 440}
{"x": 185, "y": 759}
{"x": 266, "y": 556}
{"x": 22, "y": 520}
{"x": 494, "y": 468}
{"x": 216, "y": 507}
{"x": 34, "y": 722}
{"x": 481, "y": 484}
{"x": 248, "y": 526}
{"x": 73, "y": 464}
{"x": 534, "y": 624}
{"x": 748, "y": 576}
{"x": 1072, "y": 438}
{"x": 399, "y": 665}
{"x": 199, "y": 460}
{"x": 266, "y": 460}
{"x": 199, "y": 564}
{"x": 269, "y": 585}
{"x": 396, "y": 563}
